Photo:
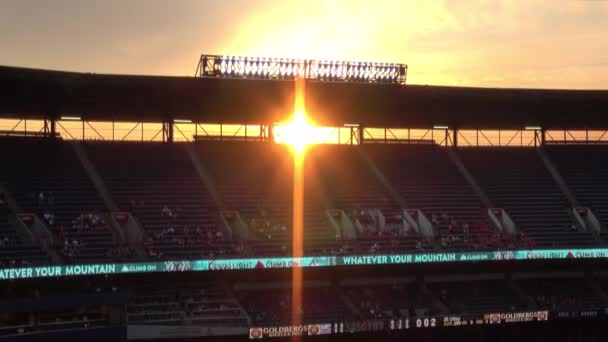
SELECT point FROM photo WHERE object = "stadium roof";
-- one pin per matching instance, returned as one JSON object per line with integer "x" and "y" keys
{"x": 31, "y": 93}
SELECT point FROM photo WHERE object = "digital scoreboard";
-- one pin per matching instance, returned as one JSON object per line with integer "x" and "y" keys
{"x": 432, "y": 322}
{"x": 404, "y": 324}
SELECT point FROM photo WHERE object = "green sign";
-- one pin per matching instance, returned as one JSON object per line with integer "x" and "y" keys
{"x": 322, "y": 261}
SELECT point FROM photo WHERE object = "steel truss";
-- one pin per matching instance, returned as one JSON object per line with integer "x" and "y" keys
{"x": 215, "y": 66}
{"x": 351, "y": 134}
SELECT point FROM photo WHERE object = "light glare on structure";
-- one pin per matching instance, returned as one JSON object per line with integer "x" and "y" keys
{"x": 71, "y": 118}
{"x": 284, "y": 68}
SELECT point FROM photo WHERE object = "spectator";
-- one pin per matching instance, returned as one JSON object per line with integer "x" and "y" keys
{"x": 49, "y": 218}
{"x": 66, "y": 247}
{"x": 444, "y": 242}
{"x": 434, "y": 220}
{"x": 465, "y": 228}
{"x": 374, "y": 248}
{"x": 166, "y": 212}
{"x": 75, "y": 246}
{"x": 41, "y": 199}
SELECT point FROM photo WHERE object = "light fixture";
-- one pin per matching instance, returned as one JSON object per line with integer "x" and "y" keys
{"x": 533, "y": 128}
{"x": 182, "y": 121}
{"x": 282, "y": 68}
{"x": 72, "y": 118}
{"x": 440, "y": 127}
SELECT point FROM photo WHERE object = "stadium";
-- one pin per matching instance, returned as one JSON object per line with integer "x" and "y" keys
{"x": 298, "y": 199}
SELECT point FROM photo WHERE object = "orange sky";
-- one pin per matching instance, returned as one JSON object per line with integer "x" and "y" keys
{"x": 548, "y": 44}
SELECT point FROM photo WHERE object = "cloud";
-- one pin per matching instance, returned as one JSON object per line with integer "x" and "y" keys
{"x": 479, "y": 43}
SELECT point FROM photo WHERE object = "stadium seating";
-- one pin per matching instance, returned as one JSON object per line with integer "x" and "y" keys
{"x": 206, "y": 304}
{"x": 160, "y": 185}
{"x": 211, "y": 304}
{"x": 62, "y": 305}
{"x": 147, "y": 178}
{"x": 422, "y": 177}
{"x": 51, "y": 168}
{"x": 517, "y": 180}
{"x": 273, "y": 305}
{"x": 388, "y": 300}
{"x": 478, "y": 297}
{"x": 561, "y": 294}
{"x": 14, "y": 251}
{"x": 190, "y": 302}
{"x": 426, "y": 179}
{"x": 585, "y": 170}
{"x": 337, "y": 177}
{"x": 254, "y": 179}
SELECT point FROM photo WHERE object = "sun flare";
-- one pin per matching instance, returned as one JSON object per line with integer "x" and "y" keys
{"x": 298, "y": 132}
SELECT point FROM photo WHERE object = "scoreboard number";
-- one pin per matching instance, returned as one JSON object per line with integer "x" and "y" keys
{"x": 426, "y": 322}
{"x": 399, "y": 324}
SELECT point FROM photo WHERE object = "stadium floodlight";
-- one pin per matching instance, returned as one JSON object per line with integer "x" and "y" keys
{"x": 533, "y": 128}
{"x": 71, "y": 118}
{"x": 182, "y": 121}
{"x": 214, "y": 66}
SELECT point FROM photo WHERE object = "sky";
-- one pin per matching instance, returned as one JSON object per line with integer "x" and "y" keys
{"x": 493, "y": 43}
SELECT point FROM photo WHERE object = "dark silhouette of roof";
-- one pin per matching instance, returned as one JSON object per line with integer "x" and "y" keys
{"x": 33, "y": 93}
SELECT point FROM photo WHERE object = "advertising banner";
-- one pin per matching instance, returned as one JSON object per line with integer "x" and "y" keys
{"x": 287, "y": 262}
{"x": 290, "y": 330}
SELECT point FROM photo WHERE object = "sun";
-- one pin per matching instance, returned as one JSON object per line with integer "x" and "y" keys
{"x": 298, "y": 132}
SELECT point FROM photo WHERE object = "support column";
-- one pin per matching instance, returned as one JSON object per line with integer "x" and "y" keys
{"x": 168, "y": 132}
{"x": 270, "y": 137}
{"x": 50, "y": 127}
{"x": 361, "y": 135}
{"x": 543, "y": 137}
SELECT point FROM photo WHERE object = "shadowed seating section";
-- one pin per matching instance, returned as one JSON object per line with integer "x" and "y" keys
{"x": 477, "y": 297}
{"x": 517, "y": 180}
{"x": 13, "y": 250}
{"x": 254, "y": 178}
{"x": 267, "y": 306}
{"x": 427, "y": 179}
{"x": 207, "y": 304}
{"x": 340, "y": 179}
{"x": 561, "y": 294}
{"x": 388, "y": 300}
{"x": 159, "y": 185}
{"x": 585, "y": 170}
{"x": 46, "y": 177}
